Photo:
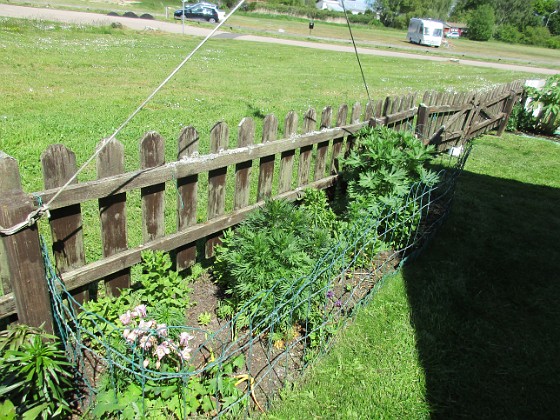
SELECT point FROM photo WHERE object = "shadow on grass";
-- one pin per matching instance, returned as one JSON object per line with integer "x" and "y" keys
{"x": 485, "y": 303}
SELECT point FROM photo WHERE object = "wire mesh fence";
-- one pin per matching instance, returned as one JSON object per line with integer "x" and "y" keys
{"x": 238, "y": 368}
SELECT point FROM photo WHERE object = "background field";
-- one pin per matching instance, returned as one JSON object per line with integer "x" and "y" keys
{"x": 80, "y": 83}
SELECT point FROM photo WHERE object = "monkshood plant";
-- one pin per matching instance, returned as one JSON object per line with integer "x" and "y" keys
{"x": 380, "y": 171}
{"x": 265, "y": 263}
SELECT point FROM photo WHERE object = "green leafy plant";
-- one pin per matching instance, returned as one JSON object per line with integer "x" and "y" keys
{"x": 36, "y": 378}
{"x": 264, "y": 264}
{"x": 161, "y": 289}
{"x": 204, "y": 318}
{"x": 542, "y": 111}
{"x": 380, "y": 171}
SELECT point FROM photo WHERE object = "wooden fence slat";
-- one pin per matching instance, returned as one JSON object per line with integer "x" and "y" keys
{"x": 323, "y": 147}
{"x": 22, "y": 251}
{"x": 266, "y": 164}
{"x": 304, "y": 168}
{"x": 354, "y": 117}
{"x": 187, "y": 191}
{"x": 59, "y": 165}
{"x": 287, "y": 157}
{"x": 245, "y": 137}
{"x": 152, "y": 154}
{"x": 341, "y": 119}
{"x": 110, "y": 161}
{"x": 219, "y": 138}
{"x": 508, "y": 108}
{"x": 91, "y": 190}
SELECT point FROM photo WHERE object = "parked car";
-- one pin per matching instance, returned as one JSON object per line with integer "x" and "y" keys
{"x": 453, "y": 34}
{"x": 200, "y": 11}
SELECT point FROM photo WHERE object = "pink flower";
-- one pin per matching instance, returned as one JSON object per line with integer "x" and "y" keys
{"x": 126, "y": 318}
{"x": 185, "y": 353}
{"x": 162, "y": 350}
{"x": 146, "y": 325}
{"x": 184, "y": 338}
{"x": 141, "y": 311}
{"x": 146, "y": 363}
{"x": 130, "y": 335}
{"x": 162, "y": 330}
{"x": 147, "y": 342}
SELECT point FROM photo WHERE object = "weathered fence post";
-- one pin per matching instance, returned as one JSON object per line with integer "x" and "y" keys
{"x": 287, "y": 158}
{"x": 323, "y": 147}
{"x": 508, "y": 108}
{"x": 112, "y": 213}
{"x": 22, "y": 250}
{"x": 152, "y": 154}
{"x": 341, "y": 119}
{"x": 245, "y": 137}
{"x": 266, "y": 164}
{"x": 304, "y": 168}
{"x": 422, "y": 123}
{"x": 219, "y": 138}
{"x": 59, "y": 165}
{"x": 187, "y": 190}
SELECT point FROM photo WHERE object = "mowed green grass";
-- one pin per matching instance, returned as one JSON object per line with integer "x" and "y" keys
{"x": 471, "y": 328}
{"x": 75, "y": 86}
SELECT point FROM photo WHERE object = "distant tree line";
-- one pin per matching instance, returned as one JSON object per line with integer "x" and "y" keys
{"x": 517, "y": 21}
{"x": 534, "y": 22}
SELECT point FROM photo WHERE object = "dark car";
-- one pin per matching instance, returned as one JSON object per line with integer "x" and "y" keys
{"x": 198, "y": 12}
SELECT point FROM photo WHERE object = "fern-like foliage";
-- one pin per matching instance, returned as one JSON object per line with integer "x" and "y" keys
{"x": 264, "y": 264}
{"x": 380, "y": 172}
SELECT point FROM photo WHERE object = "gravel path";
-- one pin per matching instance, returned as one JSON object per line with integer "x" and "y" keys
{"x": 176, "y": 27}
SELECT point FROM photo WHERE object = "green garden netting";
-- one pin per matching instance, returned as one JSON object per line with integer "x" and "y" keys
{"x": 242, "y": 368}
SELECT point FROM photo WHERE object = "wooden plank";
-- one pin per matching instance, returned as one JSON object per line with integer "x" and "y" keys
{"x": 508, "y": 108}
{"x": 92, "y": 190}
{"x": 11, "y": 182}
{"x": 22, "y": 251}
{"x": 266, "y": 164}
{"x": 397, "y": 119}
{"x": 354, "y": 118}
{"x": 287, "y": 157}
{"x": 304, "y": 167}
{"x": 110, "y": 161}
{"x": 341, "y": 119}
{"x": 59, "y": 165}
{"x": 245, "y": 137}
{"x": 370, "y": 110}
{"x": 323, "y": 147}
{"x": 219, "y": 138}
{"x": 422, "y": 123}
{"x": 152, "y": 155}
{"x": 187, "y": 194}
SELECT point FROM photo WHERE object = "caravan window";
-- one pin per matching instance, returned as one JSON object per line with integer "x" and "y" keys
{"x": 426, "y": 31}
{"x": 437, "y": 32}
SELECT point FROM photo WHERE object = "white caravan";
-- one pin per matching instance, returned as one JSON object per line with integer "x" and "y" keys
{"x": 425, "y": 32}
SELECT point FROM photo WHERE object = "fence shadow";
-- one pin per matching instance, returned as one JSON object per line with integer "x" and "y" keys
{"x": 484, "y": 303}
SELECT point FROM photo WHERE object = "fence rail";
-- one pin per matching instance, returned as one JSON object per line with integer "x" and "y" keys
{"x": 283, "y": 168}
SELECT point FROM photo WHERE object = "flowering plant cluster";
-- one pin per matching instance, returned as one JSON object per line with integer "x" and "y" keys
{"x": 153, "y": 338}
{"x": 330, "y": 296}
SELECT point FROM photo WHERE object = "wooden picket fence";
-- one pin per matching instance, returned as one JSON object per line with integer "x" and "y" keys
{"x": 306, "y": 158}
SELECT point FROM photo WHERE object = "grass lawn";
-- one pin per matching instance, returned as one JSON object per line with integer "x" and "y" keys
{"x": 471, "y": 328}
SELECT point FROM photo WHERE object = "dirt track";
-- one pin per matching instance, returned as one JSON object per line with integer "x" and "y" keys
{"x": 143, "y": 25}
